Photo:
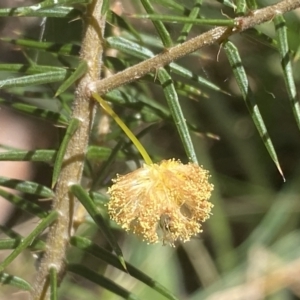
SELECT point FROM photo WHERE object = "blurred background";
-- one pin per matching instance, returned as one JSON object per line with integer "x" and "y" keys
{"x": 250, "y": 247}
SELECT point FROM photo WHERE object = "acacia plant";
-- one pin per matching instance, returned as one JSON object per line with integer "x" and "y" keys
{"x": 180, "y": 76}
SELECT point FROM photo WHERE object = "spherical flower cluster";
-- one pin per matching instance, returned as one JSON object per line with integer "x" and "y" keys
{"x": 165, "y": 201}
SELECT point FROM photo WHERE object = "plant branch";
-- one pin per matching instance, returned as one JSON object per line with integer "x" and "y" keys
{"x": 216, "y": 35}
{"x": 71, "y": 171}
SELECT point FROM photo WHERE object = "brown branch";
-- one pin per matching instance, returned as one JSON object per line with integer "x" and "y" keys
{"x": 71, "y": 172}
{"x": 216, "y": 35}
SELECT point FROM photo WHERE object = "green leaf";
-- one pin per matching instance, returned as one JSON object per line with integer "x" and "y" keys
{"x": 62, "y": 49}
{"x": 186, "y": 73}
{"x": 174, "y": 4}
{"x": 44, "y": 155}
{"x": 50, "y": 3}
{"x": 73, "y": 126}
{"x": 102, "y": 153}
{"x": 101, "y": 280}
{"x": 128, "y": 97}
{"x": 241, "y": 6}
{"x": 28, "y": 80}
{"x": 15, "y": 281}
{"x": 105, "y": 7}
{"x": 53, "y": 283}
{"x": 286, "y": 63}
{"x": 79, "y": 72}
{"x": 9, "y": 243}
{"x": 93, "y": 249}
{"x": 28, "y": 240}
{"x": 129, "y": 47}
{"x": 188, "y": 26}
{"x": 252, "y": 5}
{"x": 189, "y": 91}
{"x": 10, "y": 233}
{"x": 27, "y": 187}
{"x": 16, "y": 239}
{"x": 99, "y": 198}
{"x": 95, "y": 213}
{"x": 159, "y": 26}
{"x": 32, "y": 110}
{"x": 177, "y": 114}
{"x": 24, "y": 204}
{"x": 120, "y": 22}
{"x": 257, "y": 36}
{"x": 59, "y": 12}
{"x": 186, "y": 20}
{"x": 13, "y": 243}
{"x": 30, "y": 69}
{"x": 242, "y": 81}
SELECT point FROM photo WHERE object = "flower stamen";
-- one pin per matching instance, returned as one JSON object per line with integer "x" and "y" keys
{"x": 165, "y": 201}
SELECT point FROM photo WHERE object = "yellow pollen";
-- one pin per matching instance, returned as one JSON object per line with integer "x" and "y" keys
{"x": 162, "y": 202}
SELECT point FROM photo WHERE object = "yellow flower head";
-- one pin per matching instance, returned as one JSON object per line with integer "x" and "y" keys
{"x": 165, "y": 201}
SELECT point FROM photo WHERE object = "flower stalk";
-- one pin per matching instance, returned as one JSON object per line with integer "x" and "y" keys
{"x": 124, "y": 127}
